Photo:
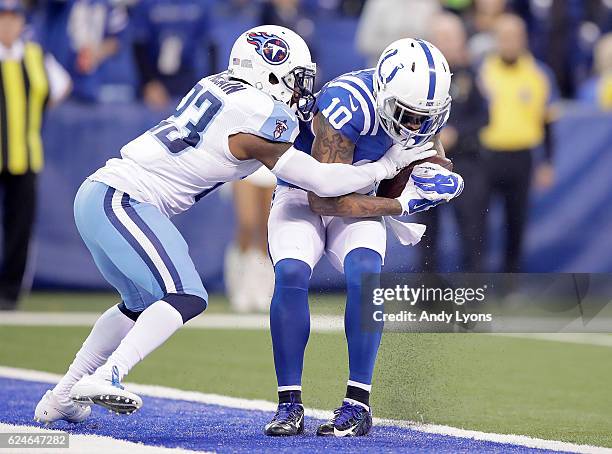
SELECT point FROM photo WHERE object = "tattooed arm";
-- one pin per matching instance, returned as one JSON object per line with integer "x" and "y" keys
{"x": 330, "y": 145}
{"x": 358, "y": 205}
{"x": 354, "y": 206}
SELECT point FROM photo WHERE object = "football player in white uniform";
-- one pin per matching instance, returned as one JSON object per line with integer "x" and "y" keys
{"x": 403, "y": 102}
{"x": 227, "y": 126}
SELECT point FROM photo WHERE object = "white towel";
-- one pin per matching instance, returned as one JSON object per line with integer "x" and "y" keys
{"x": 408, "y": 233}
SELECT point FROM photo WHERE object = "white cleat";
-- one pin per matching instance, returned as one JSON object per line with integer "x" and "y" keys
{"x": 103, "y": 388}
{"x": 50, "y": 409}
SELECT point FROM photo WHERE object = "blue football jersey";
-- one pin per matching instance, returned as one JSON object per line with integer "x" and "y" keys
{"x": 347, "y": 103}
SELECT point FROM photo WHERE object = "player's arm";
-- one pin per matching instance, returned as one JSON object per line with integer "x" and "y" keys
{"x": 301, "y": 169}
{"x": 354, "y": 206}
{"x": 360, "y": 205}
{"x": 329, "y": 144}
{"x": 332, "y": 146}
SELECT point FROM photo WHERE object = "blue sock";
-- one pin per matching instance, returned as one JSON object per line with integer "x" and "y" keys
{"x": 290, "y": 320}
{"x": 362, "y": 345}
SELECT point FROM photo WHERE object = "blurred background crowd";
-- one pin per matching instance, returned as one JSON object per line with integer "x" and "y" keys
{"x": 122, "y": 50}
{"x": 532, "y": 110}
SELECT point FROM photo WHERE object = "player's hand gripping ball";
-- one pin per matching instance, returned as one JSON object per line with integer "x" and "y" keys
{"x": 394, "y": 187}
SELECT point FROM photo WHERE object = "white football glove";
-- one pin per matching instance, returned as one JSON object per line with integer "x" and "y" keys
{"x": 429, "y": 186}
{"x": 397, "y": 157}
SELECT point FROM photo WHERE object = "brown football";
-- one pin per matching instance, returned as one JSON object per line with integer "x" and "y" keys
{"x": 393, "y": 188}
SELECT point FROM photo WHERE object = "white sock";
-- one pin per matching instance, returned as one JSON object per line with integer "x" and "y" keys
{"x": 105, "y": 336}
{"x": 154, "y": 326}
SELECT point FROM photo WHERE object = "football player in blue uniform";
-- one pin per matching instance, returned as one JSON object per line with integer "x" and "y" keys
{"x": 403, "y": 102}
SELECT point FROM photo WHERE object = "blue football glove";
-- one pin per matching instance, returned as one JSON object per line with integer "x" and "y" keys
{"x": 429, "y": 186}
{"x": 413, "y": 202}
{"x": 434, "y": 182}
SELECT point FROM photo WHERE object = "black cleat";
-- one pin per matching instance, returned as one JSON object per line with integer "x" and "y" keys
{"x": 326, "y": 429}
{"x": 288, "y": 420}
{"x": 350, "y": 420}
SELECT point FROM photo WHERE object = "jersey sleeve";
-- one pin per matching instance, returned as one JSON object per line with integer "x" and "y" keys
{"x": 346, "y": 109}
{"x": 280, "y": 126}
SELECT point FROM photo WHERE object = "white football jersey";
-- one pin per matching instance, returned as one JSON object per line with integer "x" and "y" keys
{"x": 187, "y": 156}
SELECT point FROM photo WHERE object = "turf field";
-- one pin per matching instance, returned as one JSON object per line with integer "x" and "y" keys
{"x": 541, "y": 388}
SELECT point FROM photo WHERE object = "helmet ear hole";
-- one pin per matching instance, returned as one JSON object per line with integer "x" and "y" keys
{"x": 273, "y": 79}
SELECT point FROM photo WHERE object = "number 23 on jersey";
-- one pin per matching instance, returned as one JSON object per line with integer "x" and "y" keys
{"x": 187, "y": 126}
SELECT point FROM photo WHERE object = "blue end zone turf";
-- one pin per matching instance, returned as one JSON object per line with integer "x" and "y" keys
{"x": 196, "y": 426}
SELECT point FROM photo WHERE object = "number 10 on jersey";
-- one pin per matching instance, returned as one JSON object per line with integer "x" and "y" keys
{"x": 337, "y": 116}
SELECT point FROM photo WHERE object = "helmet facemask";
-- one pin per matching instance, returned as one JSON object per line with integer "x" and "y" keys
{"x": 300, "y": 81}
{"x": 409, "y": 126}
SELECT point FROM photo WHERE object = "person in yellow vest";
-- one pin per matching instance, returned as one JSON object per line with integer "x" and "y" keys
{"x": 521, "y": 94}
{"x": 30, "y": 81}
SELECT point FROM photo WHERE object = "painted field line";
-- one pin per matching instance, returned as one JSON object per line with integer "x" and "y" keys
{"x": 262, "y": 405}
{"x": 91, "y": 444}
{"x": 319, "y": 323}
{"x": 598, "y": 339}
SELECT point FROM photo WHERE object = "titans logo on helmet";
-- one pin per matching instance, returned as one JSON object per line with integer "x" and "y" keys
{"x": 272, "y": 48}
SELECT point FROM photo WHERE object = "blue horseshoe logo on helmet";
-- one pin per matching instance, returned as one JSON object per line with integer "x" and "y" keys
{"x": 391, "y": 76}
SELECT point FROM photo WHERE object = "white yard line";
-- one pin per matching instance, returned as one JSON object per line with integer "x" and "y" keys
{"x": 319, "y": 323}
{"x": 602, "y": 340}
{"x": 249, "y": 404}
{"x": 91, "y": 444}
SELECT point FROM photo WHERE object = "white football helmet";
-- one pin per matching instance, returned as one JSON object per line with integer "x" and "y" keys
{"x": 277, "y": 61}
{"x": 411, "y": 85}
